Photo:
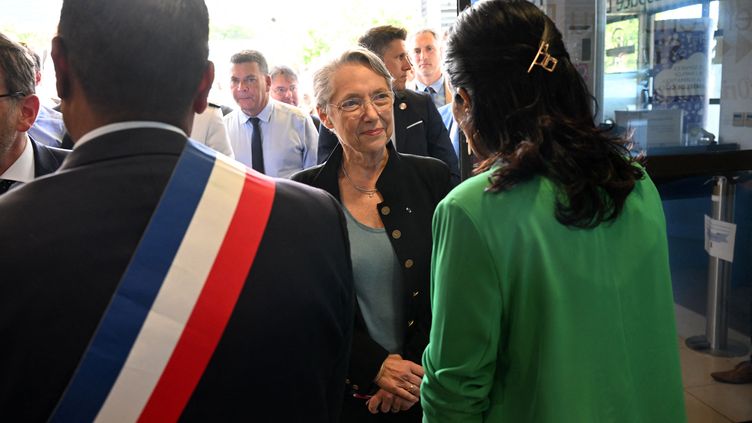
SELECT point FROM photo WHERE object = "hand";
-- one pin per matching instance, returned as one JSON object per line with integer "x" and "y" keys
{"x": 401, "y": 378}
{"x": 385, "y": 402}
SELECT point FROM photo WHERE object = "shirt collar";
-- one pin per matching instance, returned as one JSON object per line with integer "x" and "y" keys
{"x": 22, "y": 170}
{"x": 437, "y": 86}
{"x": 121, "y": 126}
{"x": 265, "y": 114}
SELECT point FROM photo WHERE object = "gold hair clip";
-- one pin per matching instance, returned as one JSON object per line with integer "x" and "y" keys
{"x": 543, "y": 59}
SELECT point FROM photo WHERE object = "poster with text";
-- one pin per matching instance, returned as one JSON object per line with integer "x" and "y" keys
{"x": 680, "y": 69}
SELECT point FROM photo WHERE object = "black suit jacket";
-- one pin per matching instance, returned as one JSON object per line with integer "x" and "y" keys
{"x": 283, "y": 354}
{"x": 316, "y": 121}
{"x": 418, "y": 129}
{"x": 47, "y": 159}
{"x": 411, "y": 186}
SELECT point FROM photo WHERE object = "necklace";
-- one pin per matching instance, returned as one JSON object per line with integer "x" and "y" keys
{"x": 370, "y": 192}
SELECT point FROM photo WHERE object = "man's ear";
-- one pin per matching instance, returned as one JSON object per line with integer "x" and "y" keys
{"x": 29, "y": 106}
{"x": 268, "y": 80}
{"x": 202, "y": 93}
{"x": 62, "y": 68}
{"x": 324, "y": 116}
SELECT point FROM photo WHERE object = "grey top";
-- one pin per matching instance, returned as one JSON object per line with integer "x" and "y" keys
{"x": 378, "y": 283}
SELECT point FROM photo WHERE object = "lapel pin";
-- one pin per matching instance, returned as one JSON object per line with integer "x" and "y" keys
{"x": 403, "y": 106}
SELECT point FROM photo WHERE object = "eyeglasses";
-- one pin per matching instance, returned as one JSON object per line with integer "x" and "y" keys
{"x": 380, "y": 101}
{"x": 16, "y": 94}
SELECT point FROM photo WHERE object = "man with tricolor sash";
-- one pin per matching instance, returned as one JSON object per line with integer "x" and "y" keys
{"x": 172, "y": 283}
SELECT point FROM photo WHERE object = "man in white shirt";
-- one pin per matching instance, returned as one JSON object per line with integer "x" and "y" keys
{"x": 21, "y": 158}
{"x": 274, "y": 138}
{"x": 426, "y": 55}
{"x": 284, "y": 86}
{"x": 285, "y": 89}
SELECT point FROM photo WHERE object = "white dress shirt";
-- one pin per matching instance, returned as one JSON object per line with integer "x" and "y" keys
{"x": 22, "y": 170}
{"x": 121, "y": 126}
{"x": 288, "y": 138}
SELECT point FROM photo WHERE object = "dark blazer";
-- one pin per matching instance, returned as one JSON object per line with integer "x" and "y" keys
{"x": 411, "y": 186}
{"x": 47, "y": 159}
{"x": 283, "y": 355}
{"x": 418, "y": 129}
{"x": 316, "y": 121}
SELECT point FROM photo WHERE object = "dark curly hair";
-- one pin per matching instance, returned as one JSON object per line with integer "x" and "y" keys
{"x": 536, "y": 123}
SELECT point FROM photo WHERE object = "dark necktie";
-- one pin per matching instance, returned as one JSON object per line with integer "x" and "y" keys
{"x": 5, "y": 185}
{"x": 434, "y": 96}
{"x": 257, "y": 154}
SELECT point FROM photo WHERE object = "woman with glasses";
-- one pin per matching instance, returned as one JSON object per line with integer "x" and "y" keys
{"x": 550, "y": 285}
{"x": 388, "y": 199}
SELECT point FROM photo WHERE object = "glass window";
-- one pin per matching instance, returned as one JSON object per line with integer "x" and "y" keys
{"x": 662, "y": 74}
{"x": 621, "y": 45}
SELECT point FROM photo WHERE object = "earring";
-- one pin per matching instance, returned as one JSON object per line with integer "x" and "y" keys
{"x": 476, "y": 136}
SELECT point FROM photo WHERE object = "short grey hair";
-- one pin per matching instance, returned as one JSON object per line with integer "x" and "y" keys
{"x": 426, "y": 31}
{"x": 17, "y": 66}
{"x": 251, "y": 56}
{"x": 285, "y": 71}
{"x": 322, "y": 86}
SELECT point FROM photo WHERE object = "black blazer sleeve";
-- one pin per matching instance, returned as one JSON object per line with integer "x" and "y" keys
{"x": 436, "y": 182}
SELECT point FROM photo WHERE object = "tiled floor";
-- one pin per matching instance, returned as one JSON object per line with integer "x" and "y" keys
{"x": 708, "y": 401}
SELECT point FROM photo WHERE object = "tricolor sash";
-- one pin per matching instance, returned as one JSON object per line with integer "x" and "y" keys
{"x": 176, "y": 296}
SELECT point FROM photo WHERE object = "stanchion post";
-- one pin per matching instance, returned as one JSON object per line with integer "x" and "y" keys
{"x": 715, "y": 341}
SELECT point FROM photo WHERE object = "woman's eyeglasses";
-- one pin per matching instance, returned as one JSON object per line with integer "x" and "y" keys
{"x": 380, "y": 101}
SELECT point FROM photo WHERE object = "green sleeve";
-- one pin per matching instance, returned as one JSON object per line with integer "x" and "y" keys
{"x": 460, "y": 360}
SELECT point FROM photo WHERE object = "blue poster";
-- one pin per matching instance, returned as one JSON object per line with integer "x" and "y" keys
{"x": 680, "y": 67}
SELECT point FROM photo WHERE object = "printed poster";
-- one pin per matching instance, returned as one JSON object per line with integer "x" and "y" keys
{"x": 680, "y": 68}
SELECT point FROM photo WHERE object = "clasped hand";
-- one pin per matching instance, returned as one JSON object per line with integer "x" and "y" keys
{"x": 399, "y": 381}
